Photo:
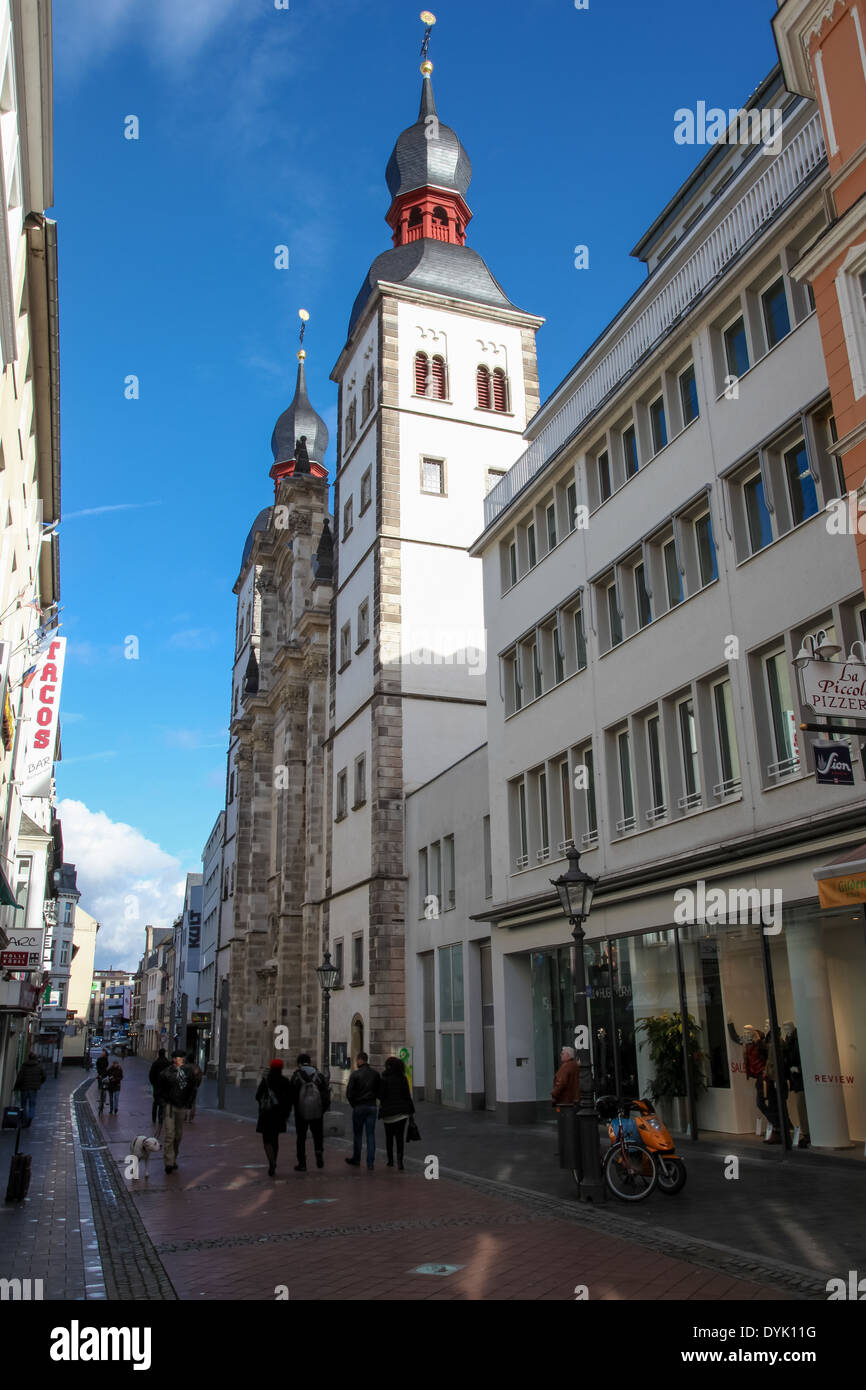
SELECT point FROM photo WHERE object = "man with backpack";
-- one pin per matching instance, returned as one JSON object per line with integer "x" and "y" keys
{"x": 311, "y": 1097}
{"x": 176, "y": 1091}
{"x": 362, "y": 1093}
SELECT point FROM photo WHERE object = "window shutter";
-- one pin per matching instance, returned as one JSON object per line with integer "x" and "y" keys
{"x": 500, "y": 392}
{"x": 439, "y": 378}
{"x": 420, "y": 374}
{"x": 483, "y": 385}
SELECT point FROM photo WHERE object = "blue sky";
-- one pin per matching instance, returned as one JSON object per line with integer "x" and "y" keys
{"x": 261, "y": 127}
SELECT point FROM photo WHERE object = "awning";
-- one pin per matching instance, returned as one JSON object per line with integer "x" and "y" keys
{"x": 7, "y": 897}
{"x": 843, "y": 880}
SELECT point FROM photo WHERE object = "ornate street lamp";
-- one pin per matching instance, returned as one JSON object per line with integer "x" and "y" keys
{"x": 576, "y": 890}
{"x": 328, "y": 974}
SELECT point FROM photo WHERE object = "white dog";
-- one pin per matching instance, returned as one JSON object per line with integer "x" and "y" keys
{"x": 141, "y": 1147}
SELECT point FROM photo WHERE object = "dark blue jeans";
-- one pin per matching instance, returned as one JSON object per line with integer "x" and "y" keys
{"x": 364, "y": 1118}
{"x": 28, "y": 1103}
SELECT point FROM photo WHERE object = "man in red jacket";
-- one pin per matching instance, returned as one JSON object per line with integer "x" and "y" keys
{"x": 566, "y": 1083}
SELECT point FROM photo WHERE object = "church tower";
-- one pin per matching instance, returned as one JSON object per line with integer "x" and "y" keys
{"x": 274, "y": 853}
{"x": 436, "y": 382}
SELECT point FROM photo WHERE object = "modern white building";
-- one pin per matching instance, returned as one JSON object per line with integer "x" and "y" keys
{"x": 436, "y": 381}
{"x": 80, "y": 986}
{"x": 205, "y": 1006}
{"x": 653, "y": 563}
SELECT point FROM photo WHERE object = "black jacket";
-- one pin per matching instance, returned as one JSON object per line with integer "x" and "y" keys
{"x": 364, "y": 1086}
{"x": 30, "y": 1077}
{"x": 102, "y": 1065}
{"x": 395, "y": 1096}
{"x": 156, "y": 1069}
{"x": 273, "y": 1120}
{"x": 176, "y": 1087}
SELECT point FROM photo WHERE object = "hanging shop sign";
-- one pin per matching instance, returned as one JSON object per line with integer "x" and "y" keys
{"x": 835, "y": 687}
{"x": 26, "y": 948}
{"x": 42, "y": 720}
{"x": 833, "y": 764}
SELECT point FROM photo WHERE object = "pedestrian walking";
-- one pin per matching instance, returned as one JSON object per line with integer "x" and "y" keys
{"x": 397, "y": 1106}
{"x": 197, "y": 1076}
{"x": 566, "y": 1083}
{"x": 274, "y": 1098}
{"x": 176, "y": 1089}
{"x": 362, "y": 1093}
{"x": 311, "y": 1097}
{"x": 112, "y": 1081}
{"x": 157, "y": 1066}
{"x": 27, "y": 1083}
{"x": 103, "y": 1062}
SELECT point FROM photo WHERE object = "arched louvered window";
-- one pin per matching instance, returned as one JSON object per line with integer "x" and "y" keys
{"x": 415, "y": 217}
{"x": 367, "y": 396}
{"x": 422, "y": 369}
{"x": 500, "y": 390}
{"x": 439, "y": 383}
{"x": 482, "y": 382}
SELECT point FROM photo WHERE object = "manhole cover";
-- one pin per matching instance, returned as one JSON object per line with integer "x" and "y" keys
{"x": 435, "y": 1269}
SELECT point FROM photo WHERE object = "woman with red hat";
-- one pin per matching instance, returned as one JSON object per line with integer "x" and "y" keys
{"x": 274, "y": 1097}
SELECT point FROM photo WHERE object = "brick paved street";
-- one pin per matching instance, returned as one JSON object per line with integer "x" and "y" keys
{"x": 220, "y": 1228}
{"x": 224, "y": 1230}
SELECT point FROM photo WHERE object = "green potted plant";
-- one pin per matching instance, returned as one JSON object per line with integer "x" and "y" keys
{"x": 664, "y": 1035}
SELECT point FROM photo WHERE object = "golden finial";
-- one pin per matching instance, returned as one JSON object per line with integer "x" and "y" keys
{"x": 304, "y": 317}
{"x": 429, "y": 20}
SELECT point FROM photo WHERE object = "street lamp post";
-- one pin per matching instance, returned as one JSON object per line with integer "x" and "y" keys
{"x": 327, "y": 974}
{"x": 576, "y": 890}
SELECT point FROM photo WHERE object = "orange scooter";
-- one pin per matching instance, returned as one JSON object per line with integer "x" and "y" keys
{"x": 655, "y": 1136}
{"x": 637, "y": 1123}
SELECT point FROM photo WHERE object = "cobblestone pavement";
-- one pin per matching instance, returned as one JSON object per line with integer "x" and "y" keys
{"x": 224, "y": 1230}
{"x": 803, "y": 1216}
{"x": 50, "y": 1235}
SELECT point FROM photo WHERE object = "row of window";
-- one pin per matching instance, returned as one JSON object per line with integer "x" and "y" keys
{"x": 433, "y": 482}
{"x": 338, "y": 957}
{"x": 761, "y": 318}
{"x": 436, "y": 881}
{"x": 492, "y": 389}
{"x": 674, "y": 757}
{"x": 368, "y": 400}
{"x": 366, "y": 497}
{"x": 341, "y": 809}
{"x": 363, "y": 629}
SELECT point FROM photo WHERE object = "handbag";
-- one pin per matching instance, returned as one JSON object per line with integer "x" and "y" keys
{"x": 412, "y": 1130}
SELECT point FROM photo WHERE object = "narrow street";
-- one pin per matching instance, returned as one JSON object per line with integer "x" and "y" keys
{"x": 501, "y": 1218}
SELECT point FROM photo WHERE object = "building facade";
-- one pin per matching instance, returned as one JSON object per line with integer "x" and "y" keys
{"x": 205, "y": 1008}
{"x": 29, "y": 503}
{"x": 436, "y": 383}
{"x": 273, "y": 855}
{"x": 653, "y": 566}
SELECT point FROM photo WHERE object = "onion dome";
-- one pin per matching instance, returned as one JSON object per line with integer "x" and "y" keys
{"x": 300, "y": 419}
{"x": 428, "y": 154}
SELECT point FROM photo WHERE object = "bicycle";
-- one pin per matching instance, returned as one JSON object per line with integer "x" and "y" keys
{"x": 103, "y": 1092}
{"x": 629, "y": 1169}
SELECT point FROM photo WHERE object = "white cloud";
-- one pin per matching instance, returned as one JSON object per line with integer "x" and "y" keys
{"x": 87, "y": 31}
{"x": 120, "y": 872}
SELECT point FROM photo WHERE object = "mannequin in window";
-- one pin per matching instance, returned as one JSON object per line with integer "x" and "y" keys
{"x": 793, "y": 1070}
{"x": 754, "y": 1058}
{"x": 775, "y": 1089}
